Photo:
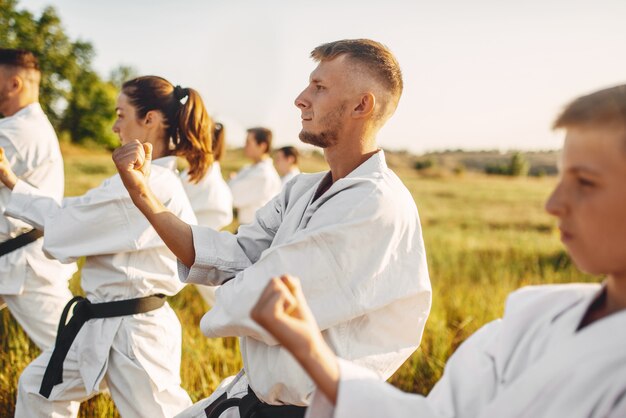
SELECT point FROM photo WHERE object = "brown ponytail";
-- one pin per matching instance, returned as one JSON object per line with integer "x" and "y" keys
{"x": 188, "y": 124}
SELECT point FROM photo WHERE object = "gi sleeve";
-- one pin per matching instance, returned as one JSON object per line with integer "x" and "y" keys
{"x": 44, "y": 176}
{"x": 103, "y": 221}
{"x": 221, "y": 255}
{"x": 362, "y": 394}
{"x": 466, "y": 387}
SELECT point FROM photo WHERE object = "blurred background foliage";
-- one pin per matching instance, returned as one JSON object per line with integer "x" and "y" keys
{"x": 78, "y": 101}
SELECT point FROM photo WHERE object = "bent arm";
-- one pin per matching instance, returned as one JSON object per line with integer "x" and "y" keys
{"x": 467, "y": 385}
{"x": 103, "y": 221}
{"x": 133, "y": 162}
{"x": 174, "y": 232}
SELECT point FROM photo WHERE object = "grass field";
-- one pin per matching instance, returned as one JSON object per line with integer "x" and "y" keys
{"x": 485, "y": 236}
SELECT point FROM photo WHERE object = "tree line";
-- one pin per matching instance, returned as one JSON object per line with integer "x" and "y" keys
{"x": 78, "y": 101}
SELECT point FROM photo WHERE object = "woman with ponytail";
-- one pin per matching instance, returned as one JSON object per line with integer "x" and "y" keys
{"x": 123, "y": 335}
{"x": 211, "y": 199}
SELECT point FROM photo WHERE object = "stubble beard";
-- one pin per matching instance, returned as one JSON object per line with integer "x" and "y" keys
{"x": 329, "y": 135}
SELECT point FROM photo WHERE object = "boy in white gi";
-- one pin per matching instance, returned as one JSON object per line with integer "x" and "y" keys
{"x": 559, "y": 350}
{"x": 255, "y": 184}
{"x": 352, "y": 234}
{"x": 123, "y": 336}
{"x": 34, "y": 287}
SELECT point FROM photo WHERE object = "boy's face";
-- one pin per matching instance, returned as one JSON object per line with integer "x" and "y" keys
{"x": 590, "y": 199}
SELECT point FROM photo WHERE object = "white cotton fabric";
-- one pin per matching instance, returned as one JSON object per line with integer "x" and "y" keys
{"x": 291, "y": 174}
{"x": 210, "y": 198}
{"x": 252, "y": 187}
{"x": 532, "y": 363}
{"x": 32, "y": 149}
{"x": 212, "y": 203}
{"x": 125, "y": 259}
{"x": 359, "y": 253}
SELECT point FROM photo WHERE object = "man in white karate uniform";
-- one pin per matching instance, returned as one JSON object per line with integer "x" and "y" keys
{"x": 286, "y": 163}
{"x": 33, "y": 287}
{"x": 559, "y": 350}
{"x": 255, "y": 184}
{"x": 352, "y": 234}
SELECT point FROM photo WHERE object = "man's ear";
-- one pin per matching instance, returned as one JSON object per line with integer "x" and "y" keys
{"x": 365, "y": 106}
{"x": 16, "y": 84}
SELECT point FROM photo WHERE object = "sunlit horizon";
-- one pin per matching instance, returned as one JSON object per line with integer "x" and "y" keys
{"x": 478, "y": 75}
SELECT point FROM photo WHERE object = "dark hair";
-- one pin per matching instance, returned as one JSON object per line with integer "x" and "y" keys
{"x": 262, "y": 136}
{"x": 219, "y": 141}
{"x": 375, "y": 57}
{"x": 290, "y": 151}
{"x": 19, "y": 58}
{"x": 603, "y": 108}
{"x": 188, "y": 124}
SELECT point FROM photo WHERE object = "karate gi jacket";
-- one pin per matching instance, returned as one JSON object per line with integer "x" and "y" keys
{"x": 359, "y": 253}
{"x": 253, "y": 187}
{"x": 32, "y": 149}
{"x": 532, "y": 363}
{"x": 125, "y": 259}
{"x": 210, "y": 198}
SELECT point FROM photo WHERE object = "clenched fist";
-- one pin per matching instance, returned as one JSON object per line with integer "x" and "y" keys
{"x": 133, "y": 163}
{"x": 284, "y": 313}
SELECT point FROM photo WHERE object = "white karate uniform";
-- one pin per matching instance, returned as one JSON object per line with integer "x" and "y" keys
{"x": 137, "y": 357}
{"x": 212, "y": 202}
{"x": 533, "y": 363}
{"x": 210, "y": 198}
{"x": 34, "y": 287}
{"x": 291, "y": 174}
{"x": 253, "y": 187}
{"x": 359, "y": 253}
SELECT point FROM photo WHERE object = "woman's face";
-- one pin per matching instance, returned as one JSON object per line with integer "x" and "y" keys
{"x": 127, "y": 126}
{"x": 590, "y": 199}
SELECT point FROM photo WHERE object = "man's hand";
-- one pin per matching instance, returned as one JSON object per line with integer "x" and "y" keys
{"x": 133, "y": 162}
{"x": 6, "y": 173}
{"x": 282, "y": 310}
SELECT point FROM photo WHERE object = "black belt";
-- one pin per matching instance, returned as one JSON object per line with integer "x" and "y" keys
{"x": 252, "y": 407}
{"x": 21, "y": 240}
{"x": 83, "y": 312}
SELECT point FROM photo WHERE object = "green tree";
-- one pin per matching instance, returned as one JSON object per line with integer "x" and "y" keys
{"x": 122, "y": 74}
{"x": 68, "y": 80}
{"x": 90, "y": 112}
{"x": 518, "y": 166}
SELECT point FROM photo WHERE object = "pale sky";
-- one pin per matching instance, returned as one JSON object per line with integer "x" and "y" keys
{"x": 480, "y": 74}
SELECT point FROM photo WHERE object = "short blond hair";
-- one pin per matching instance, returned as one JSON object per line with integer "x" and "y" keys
{"x": 603, "y": 108}
{"x": 373, "y": 57}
